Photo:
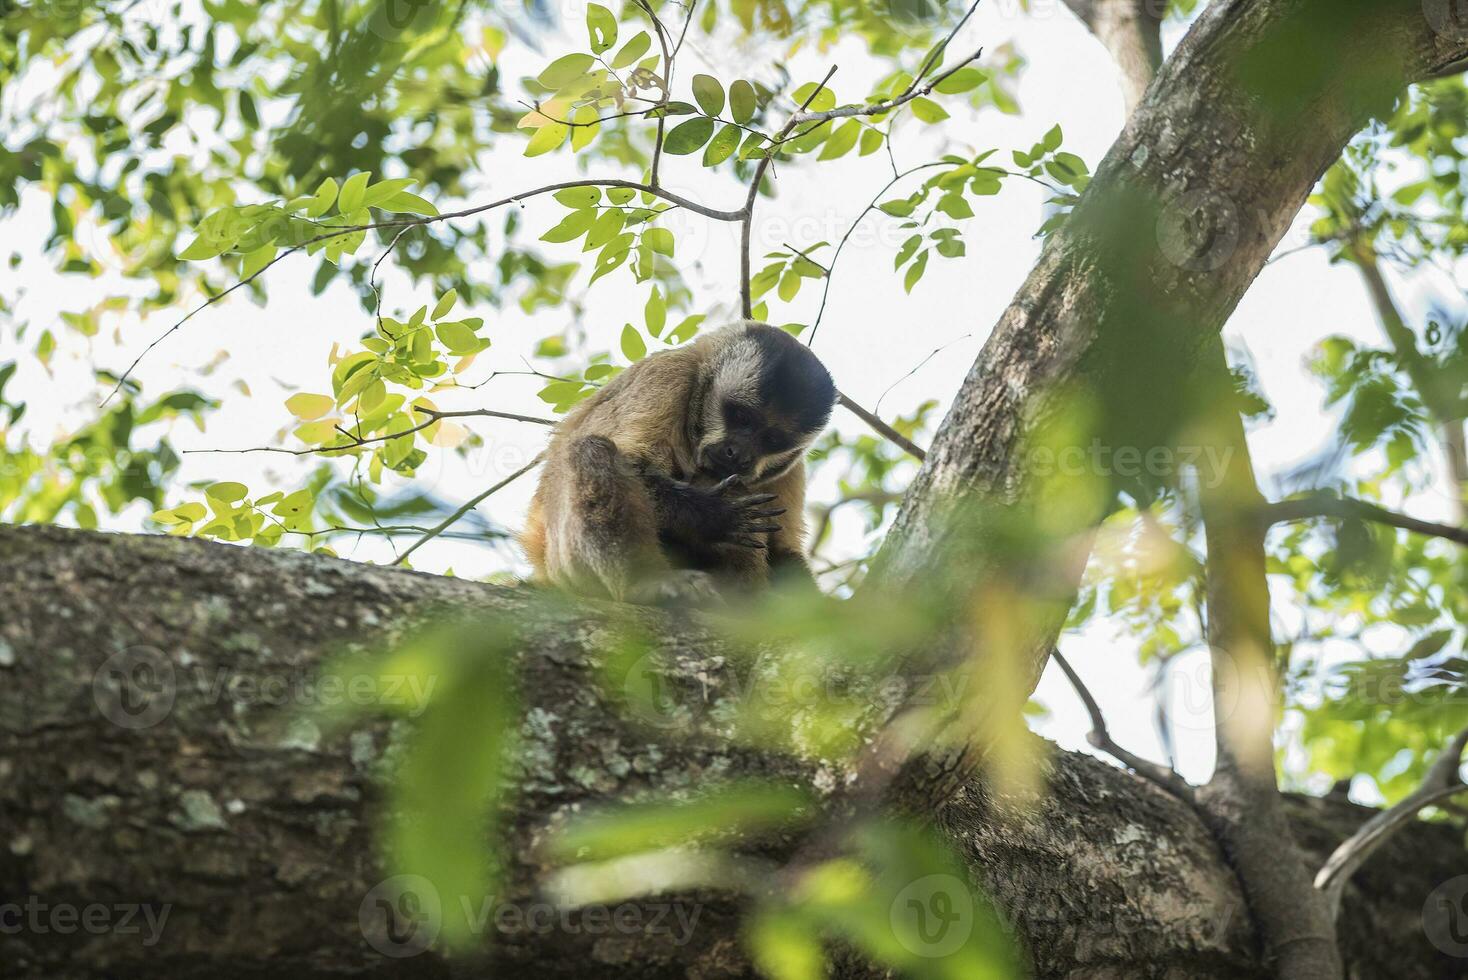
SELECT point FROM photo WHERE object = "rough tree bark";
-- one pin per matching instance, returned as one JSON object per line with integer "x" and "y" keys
{"x": 197, "y": 785}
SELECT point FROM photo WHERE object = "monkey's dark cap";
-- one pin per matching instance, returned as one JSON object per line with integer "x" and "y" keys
{"x": 793, "y": 382}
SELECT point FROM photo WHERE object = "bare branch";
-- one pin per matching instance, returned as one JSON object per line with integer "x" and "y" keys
{"x": 470, "y": 505}
{"x": 1310, "y": 508}
{"x": 487, "y": 413}
{"x": 359, "y": 441}
{"x": 902, "y": 442}
{"x": 1442, "y": 781}
{"x": 1100, "y": 738}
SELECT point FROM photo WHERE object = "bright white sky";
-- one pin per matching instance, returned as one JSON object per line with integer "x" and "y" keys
{"x": 872, "y": 334}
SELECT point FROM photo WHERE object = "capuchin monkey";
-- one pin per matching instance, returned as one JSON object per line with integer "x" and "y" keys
{"x": 683, "y": 479}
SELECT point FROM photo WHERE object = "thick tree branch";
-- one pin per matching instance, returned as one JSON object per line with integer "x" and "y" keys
{"x": 1310, "y": 508}
{"x": 158, "y": 751}
{"x": 1241, "y": 803}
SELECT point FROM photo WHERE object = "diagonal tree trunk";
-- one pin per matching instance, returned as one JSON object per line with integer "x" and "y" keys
{"x": 155, "y": 768}
{"x": 1254, "y": 105}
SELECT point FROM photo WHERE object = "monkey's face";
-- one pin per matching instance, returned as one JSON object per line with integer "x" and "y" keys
{"x": 767, "y": 400}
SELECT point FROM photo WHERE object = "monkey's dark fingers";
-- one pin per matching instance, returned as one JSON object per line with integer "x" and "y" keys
{"x": 724, "y": 484}
{"x": 755, "y": 500}
{"x": 747, "y": 542}
{"x": 762, "y": 528}
{"x": 775, "y": 512}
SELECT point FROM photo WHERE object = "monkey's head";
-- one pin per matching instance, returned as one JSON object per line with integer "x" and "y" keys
{"x": 765, "y": 398}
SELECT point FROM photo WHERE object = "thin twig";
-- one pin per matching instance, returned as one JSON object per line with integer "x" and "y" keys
{"x": 1100, "y": 738}
{"x": 1442, "y": 781}
{"x": 746, "y": 220}
{"x": 360, "y": 441}
{"x": 470, "y": 505}
{"x": 836, "y": 255}
{"x": 918, "y": 367}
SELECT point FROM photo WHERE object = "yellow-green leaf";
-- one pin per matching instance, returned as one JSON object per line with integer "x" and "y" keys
{"x": 353, "y": 191}
{"x": 306, "y": 406}
{"x": 634, "y": 348}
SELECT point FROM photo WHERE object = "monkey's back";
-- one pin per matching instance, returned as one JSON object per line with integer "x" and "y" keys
{"x": 643, "y": 411}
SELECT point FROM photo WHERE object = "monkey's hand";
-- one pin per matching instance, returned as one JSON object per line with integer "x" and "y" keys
{"x": 737, "y": 517}
{"x": 705, "y": 517}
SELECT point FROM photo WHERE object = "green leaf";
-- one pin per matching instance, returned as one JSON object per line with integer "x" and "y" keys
{"x": 227, "y": 492}
{"x": 1053, "y": 138}
{"x": 709, "y": 94}
{"x": 620, "y": 195}
{"x": 742, "y": 101}
{"x": 601, "y": 27}
{"x": 306, "y": 406}
{"x": 560, "y": 392}
{"x": 547, "y": 138}
{"x": 632, "y": 50}
{"x": 825, "y": 99}
{"x": 722, "y": 146}
{"x": 898, "y": 208}
{"x": 577, "y": 198}
{"x": 908, "y": 249}
{"x": 963, "y": 80}
{"x": 385, "y": 190}
{"x": 604, "y": 229}
{"x": 955, "y": 206}
{"x": 655, "y": 314}
{"x": 564, "y": 70}
{"x": 258, "y": 259}
{"x": 688, "y": 136}
{"x": 871, "y": 141}
{"x": 915, "y": 272}
{"x": 445, "y": 304}
{"x": 571, "y": 227}
{"x": 928, "y": 111}
{"x": 372, "y": 396}
{"x": 789, "y": 285}
{"x": 324, "y": 198}
{"x": 634, "y": 348}
{"x": 457, "y": 338}
{"x": 841, "y": 141}
{"x": 192, "y": 511}
{"x": 659, "y": 240}
{"x": 353, "y": 191}
{"x": 406, "y": 202}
